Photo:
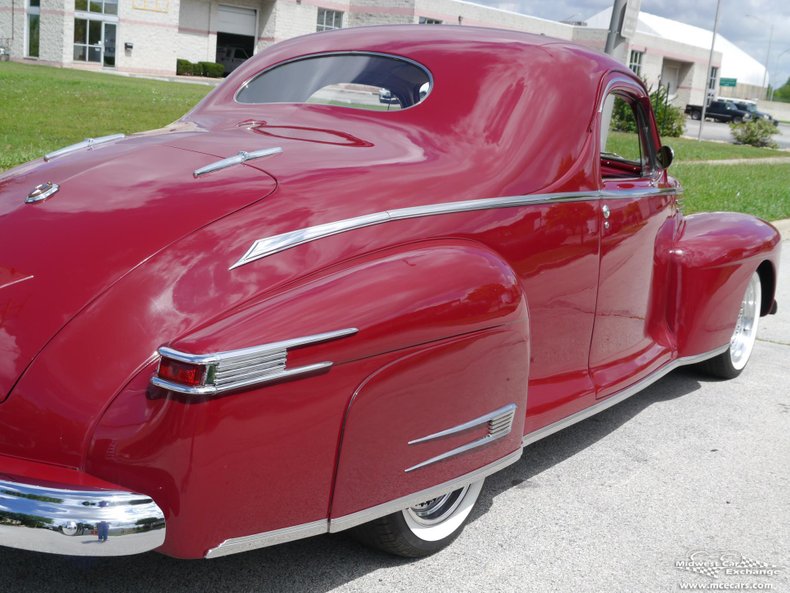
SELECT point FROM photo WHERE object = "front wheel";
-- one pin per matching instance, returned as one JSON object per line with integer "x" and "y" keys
{"x": 696, "y": 115}
{"x": 737, "y": 120}
{"x": 729, "y": 364}
{"x": 424, "y": 528}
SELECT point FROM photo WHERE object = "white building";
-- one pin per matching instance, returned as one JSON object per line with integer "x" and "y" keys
{"x": 147, "y": 36}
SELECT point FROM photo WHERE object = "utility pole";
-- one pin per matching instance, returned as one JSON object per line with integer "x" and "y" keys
{"x": 707, "y": 72}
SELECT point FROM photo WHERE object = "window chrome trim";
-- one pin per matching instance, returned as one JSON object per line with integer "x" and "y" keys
{"x": 237, "y": 159}
{"x": 275, "y": 244}
{"x": 88, "y": 143}
{"x": 237, "y": 369}
{"x": 247, "y": 82}
{"x": 620, "y": 396}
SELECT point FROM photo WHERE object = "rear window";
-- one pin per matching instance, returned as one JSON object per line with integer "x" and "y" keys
{"x": 361, "y": 81}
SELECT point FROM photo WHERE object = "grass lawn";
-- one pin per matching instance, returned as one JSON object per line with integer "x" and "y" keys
{"x": 762, "y": 190}
{"x": 46, "y": 108}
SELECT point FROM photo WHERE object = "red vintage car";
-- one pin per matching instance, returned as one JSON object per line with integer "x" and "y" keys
{"x": 300, "y": 310}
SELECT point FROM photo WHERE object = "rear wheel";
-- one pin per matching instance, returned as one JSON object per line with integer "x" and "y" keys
{"x": 696, "y": 115}
{"x": 424, "y": 528}
{"x": 731, "y": 363}
{"x": 737, "y": 119}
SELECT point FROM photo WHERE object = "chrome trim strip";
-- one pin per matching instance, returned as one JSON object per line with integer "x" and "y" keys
{"x": 256, "y": 350}
{"x": 500, "y": 423}
{"x": 619, "y": 81}
{"x": 404, "y": 502}
{"x": 275, "y": 244}
{"x": 618, "y": 397}
{"x": 268, "y": 538}
{"x": 62, "y": 520}
{"x": 238, "y": 159}
{"x": 245, "y": 367}
{"x": 510, "y": 408}
{"x": 87, "y": 143}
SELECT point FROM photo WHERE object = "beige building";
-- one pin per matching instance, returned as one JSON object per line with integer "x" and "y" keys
{"x": 147, "y": 36}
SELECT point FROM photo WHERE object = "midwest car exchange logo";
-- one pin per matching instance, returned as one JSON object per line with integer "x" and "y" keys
{"x": 726, "y": 564}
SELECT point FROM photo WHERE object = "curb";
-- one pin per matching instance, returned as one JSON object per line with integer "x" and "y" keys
{"x": 783, "y": 226}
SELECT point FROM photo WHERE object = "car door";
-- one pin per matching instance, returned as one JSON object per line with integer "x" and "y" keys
{"x": 638, "y": 213}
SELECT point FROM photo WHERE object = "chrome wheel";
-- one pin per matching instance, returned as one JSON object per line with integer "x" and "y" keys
{"x": 730, "y": 363}
{"x": 423, "y": 528}
{"x": 438, "y": 518}
{"x": 745, "y": 333}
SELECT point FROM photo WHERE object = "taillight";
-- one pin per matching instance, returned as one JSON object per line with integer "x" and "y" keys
{"x": 183, "y": 373}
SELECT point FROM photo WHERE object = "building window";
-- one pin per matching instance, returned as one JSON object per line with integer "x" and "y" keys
{"x": 424, "y": 20}
{"x": 33, "y": 25}
{"x": 97, "y": 6}
{"x": 714, "y": 76}
{"x": 95, "y": 28}
{"x": 635, "y": 62}
{"x": 329, "y": 19}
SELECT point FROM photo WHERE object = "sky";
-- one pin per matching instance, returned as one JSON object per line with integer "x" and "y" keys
{"x": 746, "y": 23}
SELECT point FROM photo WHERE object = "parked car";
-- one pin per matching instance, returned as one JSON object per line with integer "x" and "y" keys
{"x": 722, "y": 111}
{"x": 231, "y": 57}
{"x": 276, "y": 318}
{"x": 751, "y": 108}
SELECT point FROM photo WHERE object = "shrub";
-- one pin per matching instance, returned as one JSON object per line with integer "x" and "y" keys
{"x": 756, "y": 132}
{"x": 184, "y": 67}
{"x": 212, "y": 69}
{"x": 669, "y": 119}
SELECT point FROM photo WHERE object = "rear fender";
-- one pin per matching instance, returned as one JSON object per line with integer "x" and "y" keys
{"x": 714, "y": 256}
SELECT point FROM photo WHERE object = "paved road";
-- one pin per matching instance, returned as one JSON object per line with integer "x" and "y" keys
{"x": 721, "y": 132}
{"x": 606, "y": 506}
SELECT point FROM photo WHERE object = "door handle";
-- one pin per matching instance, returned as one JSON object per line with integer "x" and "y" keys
{"x": 606, "y": 214}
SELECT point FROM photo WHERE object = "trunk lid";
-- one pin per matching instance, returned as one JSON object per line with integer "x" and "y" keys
{"x": 117, "y": 205}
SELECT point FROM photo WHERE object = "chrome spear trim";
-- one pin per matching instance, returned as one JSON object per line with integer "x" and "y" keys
{"x": 87, "y": 143}
{"x": 237, "y": 159}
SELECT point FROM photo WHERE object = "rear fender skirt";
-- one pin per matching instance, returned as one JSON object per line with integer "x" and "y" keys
{"x": 432, "y": 416}
{"x": 713, "y": 258}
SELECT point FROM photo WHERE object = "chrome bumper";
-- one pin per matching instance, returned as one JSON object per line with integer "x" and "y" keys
{"x": 78, "y": 522}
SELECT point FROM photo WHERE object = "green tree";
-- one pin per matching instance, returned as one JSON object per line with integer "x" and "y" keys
{"x": 783, "y": 92}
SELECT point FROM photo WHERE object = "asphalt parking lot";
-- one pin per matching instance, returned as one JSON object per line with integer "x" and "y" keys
{"x": 720, "y": 132}
{"x": 690, "y": 468}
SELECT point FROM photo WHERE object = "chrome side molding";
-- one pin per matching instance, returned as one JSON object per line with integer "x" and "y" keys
{"x": 237, "y": 159}
{"x": 245, "y": 367}
{"x": 616, "y": 398}
{"x": 393, "y": 506}
{"x": 275, "y": 244}
{"x": 87, "y": 143}
{"x": 500, "y": 423}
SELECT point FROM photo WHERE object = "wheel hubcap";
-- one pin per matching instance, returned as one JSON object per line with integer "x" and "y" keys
{"x": 745, "y": 333}
{"x": 437, "y": 509}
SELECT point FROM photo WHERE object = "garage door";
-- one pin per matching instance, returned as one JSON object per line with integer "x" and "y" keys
{"x": 239, "y": 21}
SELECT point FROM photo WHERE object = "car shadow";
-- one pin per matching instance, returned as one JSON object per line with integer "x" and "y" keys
{"x": 316, "y": 564}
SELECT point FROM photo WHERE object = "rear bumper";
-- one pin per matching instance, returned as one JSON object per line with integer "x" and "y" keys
{"x": 59, "y": 519}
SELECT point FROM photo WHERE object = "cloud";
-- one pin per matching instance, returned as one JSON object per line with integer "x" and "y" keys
{"x": 750, "y": 33}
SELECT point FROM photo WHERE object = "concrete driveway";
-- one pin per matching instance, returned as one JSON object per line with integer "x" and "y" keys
{"x": 691, "y": 470}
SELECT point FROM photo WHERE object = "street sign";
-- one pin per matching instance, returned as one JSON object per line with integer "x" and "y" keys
{"x": 630, "y": 18}
{"x": 728, "y": 81}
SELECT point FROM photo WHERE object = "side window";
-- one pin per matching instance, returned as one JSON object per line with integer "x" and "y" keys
{"x": 624, "y": 133}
